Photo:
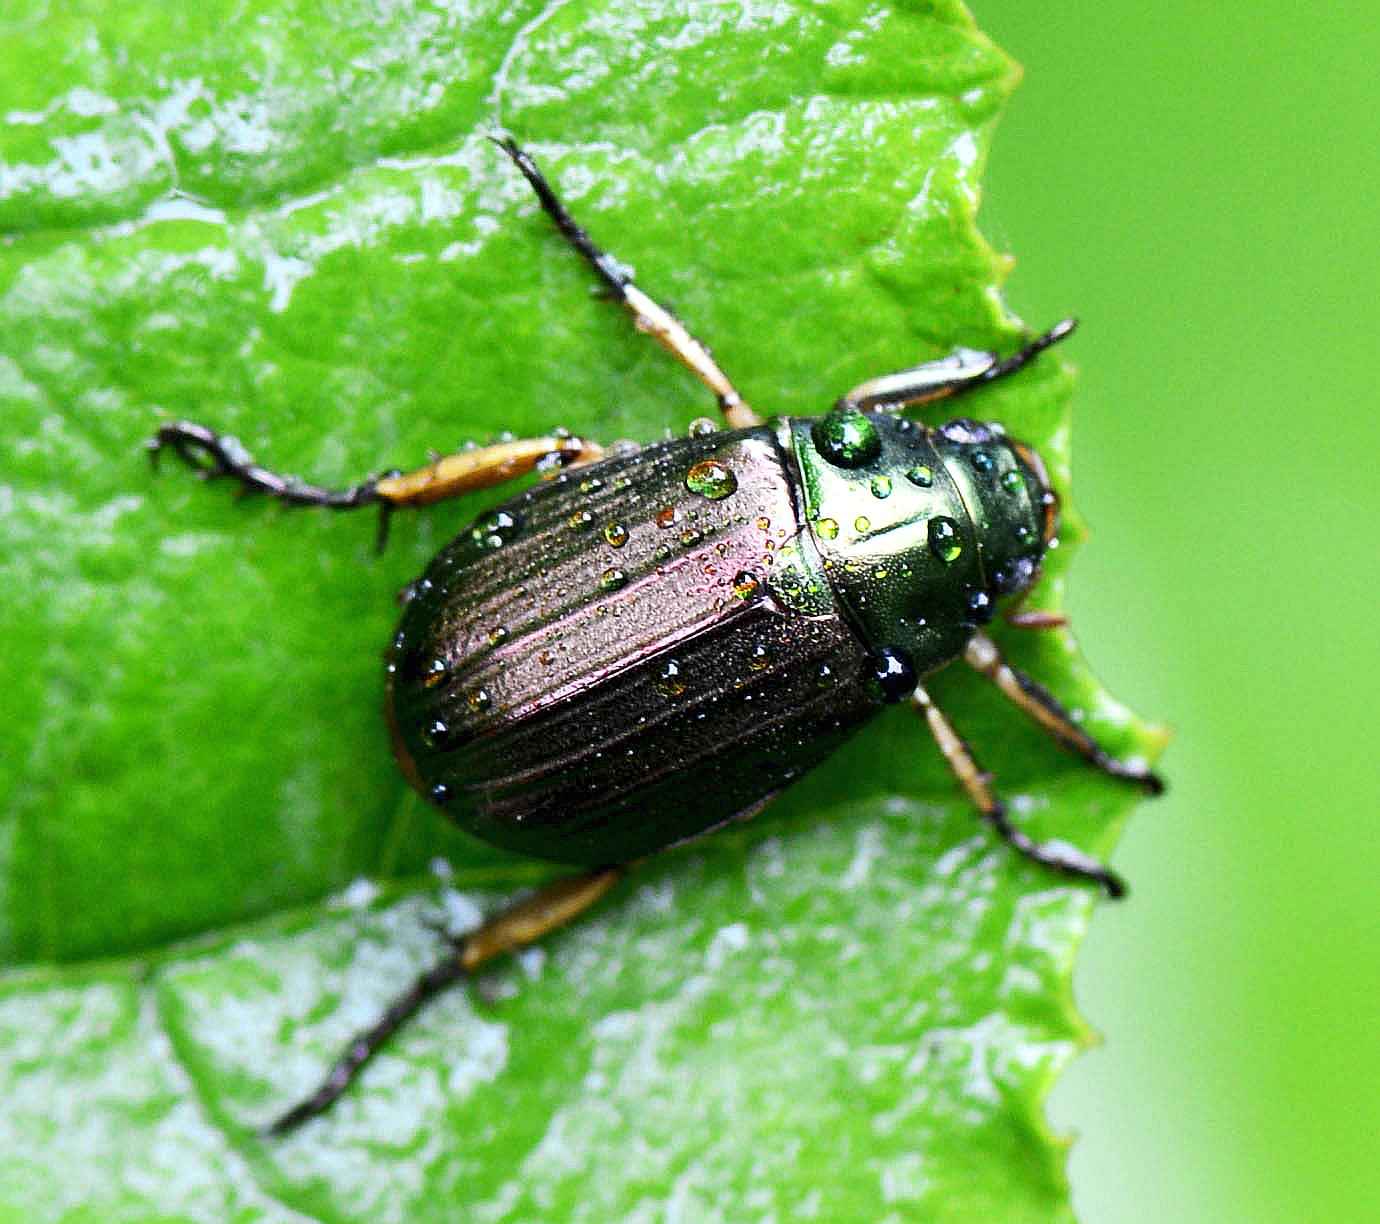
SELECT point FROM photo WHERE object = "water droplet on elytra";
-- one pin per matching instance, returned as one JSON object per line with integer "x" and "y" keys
{"x": 712, "y": 479}
{"x": 669, "y": 681}
{"x": 746, "y": 584}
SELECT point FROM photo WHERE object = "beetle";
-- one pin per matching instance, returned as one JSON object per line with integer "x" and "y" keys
{"x": 656, "y": 640}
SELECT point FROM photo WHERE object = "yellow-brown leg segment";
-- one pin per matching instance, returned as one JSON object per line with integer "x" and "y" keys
{"x": 548, "y": 910}
{"x": 469, "y": 471}
{"x": 213, "y": 455}
{"x": 1064, "y": 859}
{"x": 648, "y": 316}
{"x": 982, "y": 655}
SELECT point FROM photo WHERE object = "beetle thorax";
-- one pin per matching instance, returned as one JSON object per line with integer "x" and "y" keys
{"x": 921, "y": 530}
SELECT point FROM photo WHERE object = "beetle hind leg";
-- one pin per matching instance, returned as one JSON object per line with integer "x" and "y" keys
{"x": 648, "y": 316}
{"x": 547, "y": 910}
{"x": 1064, "y": 859}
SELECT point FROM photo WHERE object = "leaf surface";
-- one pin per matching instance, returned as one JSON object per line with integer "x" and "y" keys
{"x": 292, "y": 226}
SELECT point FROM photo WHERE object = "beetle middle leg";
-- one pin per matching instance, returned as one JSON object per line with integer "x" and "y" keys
{"x": 648, "y": 315}
{"x": 983, "y": 656}
{"x": 523, "y": 924}
{"x": 1064, "y": 859}
{"x": 214, "y": 455}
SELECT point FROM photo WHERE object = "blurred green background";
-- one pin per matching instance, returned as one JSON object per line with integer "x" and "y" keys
{"x": 1198, "y": 182}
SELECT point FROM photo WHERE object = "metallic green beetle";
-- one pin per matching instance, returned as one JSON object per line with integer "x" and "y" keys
{"x": 655, "y": 641}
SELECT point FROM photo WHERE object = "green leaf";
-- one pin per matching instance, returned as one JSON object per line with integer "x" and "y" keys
{"x": 292, "y": 227}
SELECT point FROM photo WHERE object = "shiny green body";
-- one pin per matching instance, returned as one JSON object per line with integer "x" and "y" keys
{"x": 640, "y": 650}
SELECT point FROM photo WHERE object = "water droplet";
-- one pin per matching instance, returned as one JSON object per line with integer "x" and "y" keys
{"x": 669, "y": 681}
{"x": 944, "y": 539}
{"x": 668, "y": 517}
{"x": 702, "y": 427}
{"x": 825, "y": 677}
{"x": 881, "y": 486}
{"x": 764, "y": 523}
{"x": 712, "y": 479}
{"x": 612, "y": 578}
{"x": 920, "y": 475}
{"x": 1012, "y": 481}
{"x": 746, "y": 584}
{"x": 846, "y": 438}
{"x": 1024, "y": 533}
{"x": 581, "y": 520}
{"x": 497, "y": 634}
{"x": 479, "y": 700}
{"x": 980, "y": 606}
{"x": 496, "y": 529}
{"x": 760, "y": 658}
{"x": 691, "y": 536}
{"x": 616, "y": 534}
{"x": 982, "y": 461}
{"x": 435, "y": 670}
{"x": 892, "y": 677}
{"x": 591, "y": 484}
{"x": 440, "y": 793}
{"x": 435, "y": 733}
{"x": 827, "y": 529}
{"x": 862, "y": 524}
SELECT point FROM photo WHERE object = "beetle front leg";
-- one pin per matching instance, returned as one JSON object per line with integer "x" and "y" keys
{"x": 553, "y": 907}
{"x": 1064, "y": 859}
{"x": 962, "y": 370}
{"x": 648, "y": 316}
{"x": 213, "y": 455}
{"x": 982, "y": 655}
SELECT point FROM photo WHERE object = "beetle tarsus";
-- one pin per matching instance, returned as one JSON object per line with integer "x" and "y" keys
{"x": 212, "y": 455}
{"x": 448, "y": 970}
{"x": 1065, "y": 860}
{"x": 648, "y": 316}
{"x": 1023, "y": 357}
